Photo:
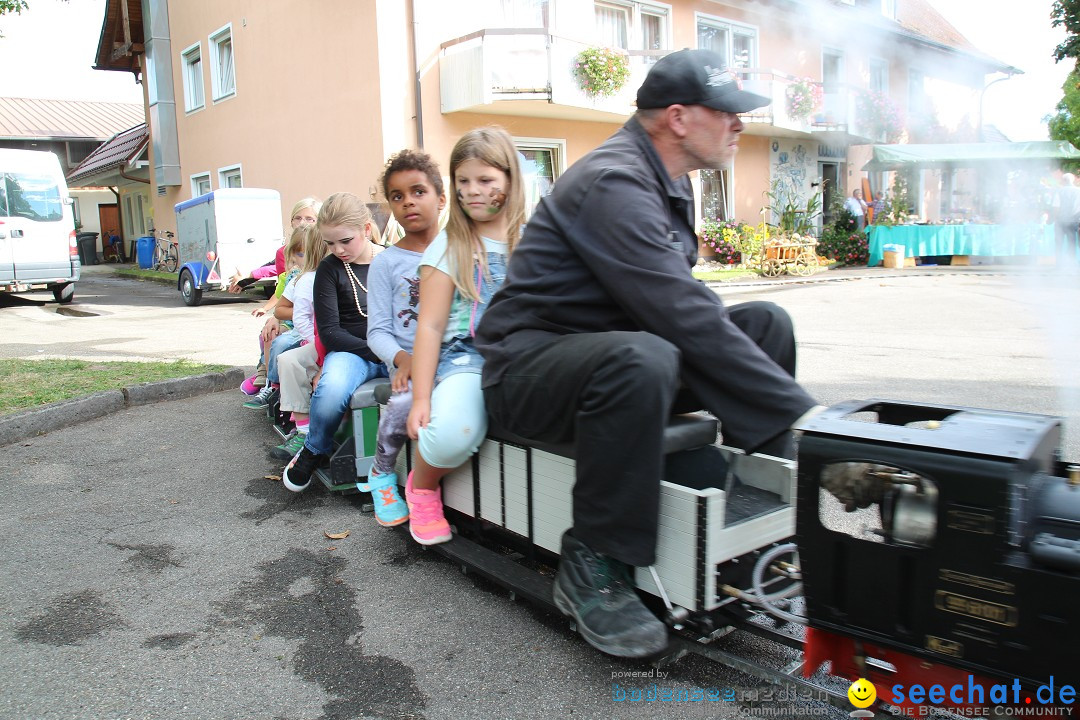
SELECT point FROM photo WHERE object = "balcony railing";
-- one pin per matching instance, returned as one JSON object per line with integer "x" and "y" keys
{"x": 488, "y": 70}
{"x": 498, "y": 70}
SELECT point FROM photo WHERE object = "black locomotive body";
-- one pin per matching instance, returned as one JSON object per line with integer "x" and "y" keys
{"x": 963, "y": 544}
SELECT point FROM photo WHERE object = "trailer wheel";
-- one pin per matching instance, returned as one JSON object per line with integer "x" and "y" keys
{"x": 191, "y": 294}
{"x": 64, "y": 293}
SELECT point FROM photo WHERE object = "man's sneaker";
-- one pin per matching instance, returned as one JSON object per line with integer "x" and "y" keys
{"x": 390, "y": 509}
{"x": 248, "y": 387}
{"x": 288, "y": 449}
{"x": 297, "y": 474}
{"x": 598, "y": 593}
{"x": 427, "y": 524}
{"x": 262, "y": 399}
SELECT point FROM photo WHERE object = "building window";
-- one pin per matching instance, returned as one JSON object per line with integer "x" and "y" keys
{"x": 653, "y": 33}
{"x": 200, "y": 184}
{"x": 832, "y": 71}
{"x": 542, "y": 161}
{"x": 879, "y": 76}
{"x": 525, "y": 13}
{"x": 223, "y": 72}
{"x": 632, "y": 26}
{"x": 193, "y": 81}
{"x": 134, "y": 217}
{"x": 918, "y": 106}
{"x": 230, "y": 177}
{"x": 613, "y": 25}
{"x": 717, "y": 202}
{"x": 736, "y": 43}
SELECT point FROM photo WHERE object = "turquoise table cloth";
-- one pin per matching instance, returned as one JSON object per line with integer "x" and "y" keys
{"x": 924, "y": 240}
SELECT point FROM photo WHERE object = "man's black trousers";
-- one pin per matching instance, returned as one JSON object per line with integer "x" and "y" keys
{"x": 611, "y": 394}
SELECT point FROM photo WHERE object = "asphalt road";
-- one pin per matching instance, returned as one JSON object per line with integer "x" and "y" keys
{"x": 152, "y": 571}
{"x": 115, "y": 318}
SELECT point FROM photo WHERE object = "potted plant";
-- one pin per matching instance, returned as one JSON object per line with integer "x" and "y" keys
{"x": 601, "y": 72}
{"x": 804, "y": 97}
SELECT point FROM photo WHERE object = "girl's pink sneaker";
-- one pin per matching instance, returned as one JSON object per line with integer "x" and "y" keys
{"x": 427, "y": 524}
{"x": 248, "y": 386}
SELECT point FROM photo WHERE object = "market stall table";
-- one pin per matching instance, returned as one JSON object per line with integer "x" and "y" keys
{"x": 967, "y": 239}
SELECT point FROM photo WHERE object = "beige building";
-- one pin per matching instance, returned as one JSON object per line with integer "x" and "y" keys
{"x": 309, "y": 98}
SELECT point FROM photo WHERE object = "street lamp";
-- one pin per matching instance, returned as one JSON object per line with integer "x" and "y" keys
{"x": 982, "y": 95}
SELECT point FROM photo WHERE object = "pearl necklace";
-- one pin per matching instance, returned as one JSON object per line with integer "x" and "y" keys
{"x": 354, "y": 282}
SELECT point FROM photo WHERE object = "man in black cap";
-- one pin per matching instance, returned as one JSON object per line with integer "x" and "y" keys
{"x": 600, "y": 323}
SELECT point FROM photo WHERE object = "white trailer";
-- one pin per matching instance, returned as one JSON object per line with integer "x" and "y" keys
{"x": 224, "y": 233}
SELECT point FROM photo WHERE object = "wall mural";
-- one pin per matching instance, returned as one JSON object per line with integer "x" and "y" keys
{"x": 793, "y": 167}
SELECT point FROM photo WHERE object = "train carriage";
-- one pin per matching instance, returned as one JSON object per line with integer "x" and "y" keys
{"x": 957, "y": 565}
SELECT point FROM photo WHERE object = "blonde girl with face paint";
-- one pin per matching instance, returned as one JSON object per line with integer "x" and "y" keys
{"x": 459, "y": 272}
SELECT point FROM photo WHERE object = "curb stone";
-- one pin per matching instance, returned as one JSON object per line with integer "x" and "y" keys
{"x": 55, "y": 416}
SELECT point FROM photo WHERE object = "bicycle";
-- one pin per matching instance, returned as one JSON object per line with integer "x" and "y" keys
{"x": 166, "y": 254}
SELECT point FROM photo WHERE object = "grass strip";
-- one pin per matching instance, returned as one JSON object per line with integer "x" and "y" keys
{"x": 30, "y": 383}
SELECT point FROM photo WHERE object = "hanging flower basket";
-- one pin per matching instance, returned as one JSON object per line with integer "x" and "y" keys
{"x": 879, "y": 114}
{"x": 804, "y": 97}
{"x": 601, "y": 72}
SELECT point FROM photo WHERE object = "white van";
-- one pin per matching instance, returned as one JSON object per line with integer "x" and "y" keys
{"x": 38, "y": 250}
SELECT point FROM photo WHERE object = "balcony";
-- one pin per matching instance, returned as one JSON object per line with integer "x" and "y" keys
{"x": 838, "y": 122}
{"x": 528, "y": 72}
{"x": 772, "y": 120}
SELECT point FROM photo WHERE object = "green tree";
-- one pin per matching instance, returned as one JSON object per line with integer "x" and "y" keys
{"x": 1065, "y": 122}
{"x": 1067, "y": 13}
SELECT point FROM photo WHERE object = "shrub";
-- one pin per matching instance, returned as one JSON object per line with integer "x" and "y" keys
{"x": 847, "y": 248}
{"x": 723, "y": 239}
{"x": 601, "y": 72}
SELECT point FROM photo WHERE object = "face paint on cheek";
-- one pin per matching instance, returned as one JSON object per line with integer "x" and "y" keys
{"x": 497, "y": 198}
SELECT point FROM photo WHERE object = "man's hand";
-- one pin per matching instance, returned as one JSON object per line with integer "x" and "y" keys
{"x": 856, "y": 485}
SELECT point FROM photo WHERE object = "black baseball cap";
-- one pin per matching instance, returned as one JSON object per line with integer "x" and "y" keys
{"x": 696, "y": 77}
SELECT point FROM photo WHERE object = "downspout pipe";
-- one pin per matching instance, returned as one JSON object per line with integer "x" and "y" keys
{"x": 418, "y": 97}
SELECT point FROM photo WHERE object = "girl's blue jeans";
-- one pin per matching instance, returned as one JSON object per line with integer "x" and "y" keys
{"x": 342, "y": 373}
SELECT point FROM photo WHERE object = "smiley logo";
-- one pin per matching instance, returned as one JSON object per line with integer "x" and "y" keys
{"x": 862, "y": 693}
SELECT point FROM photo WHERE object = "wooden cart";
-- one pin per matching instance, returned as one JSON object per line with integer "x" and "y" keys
{"x": 793, "y": 255}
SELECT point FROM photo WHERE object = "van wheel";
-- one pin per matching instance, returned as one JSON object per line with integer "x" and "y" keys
{"x": 64, "y": 293}
{"x": 191, "y": 294}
